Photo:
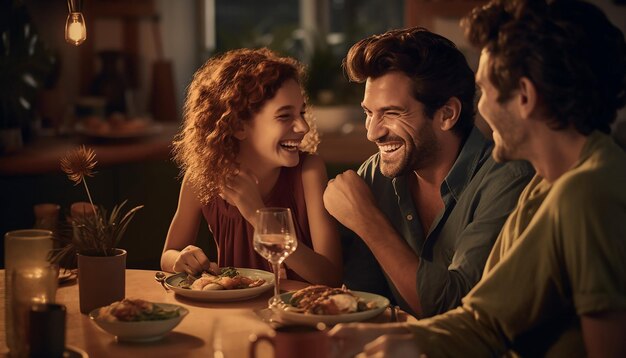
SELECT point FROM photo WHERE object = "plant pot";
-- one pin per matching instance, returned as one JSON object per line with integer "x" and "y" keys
{"x": 101, "y": 279}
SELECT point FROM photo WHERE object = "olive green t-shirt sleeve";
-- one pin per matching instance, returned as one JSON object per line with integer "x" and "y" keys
{"x": 456, "y": 333}
{"x": 591, "y": 233}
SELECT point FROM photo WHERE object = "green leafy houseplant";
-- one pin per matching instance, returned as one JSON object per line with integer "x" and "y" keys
{"x": 25, "y": 63}
{"x": 95, "y": 232}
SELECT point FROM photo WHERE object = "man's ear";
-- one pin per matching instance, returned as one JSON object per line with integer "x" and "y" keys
{"x": 448, "y": 114}
{"x": 528, "y": 97}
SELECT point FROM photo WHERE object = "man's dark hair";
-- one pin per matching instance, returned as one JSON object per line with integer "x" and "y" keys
{"x": 438, "y": 70}
{"x": 569, "y": 50}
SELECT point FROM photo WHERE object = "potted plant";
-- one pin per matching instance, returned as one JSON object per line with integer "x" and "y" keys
{"x": 94, "y": 238}
{"x": 25, "y": 63}
{"x": 335, "y": 100}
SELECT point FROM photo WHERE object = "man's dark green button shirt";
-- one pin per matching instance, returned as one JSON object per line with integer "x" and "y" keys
{"x": 478, "y": 195}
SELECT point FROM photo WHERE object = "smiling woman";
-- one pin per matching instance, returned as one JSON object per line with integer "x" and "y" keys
{"x": 246, "y": 144}
{"x": 227, "y": 93}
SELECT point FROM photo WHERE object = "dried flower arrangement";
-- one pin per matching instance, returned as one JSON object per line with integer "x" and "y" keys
{"x": 95, "y": 233}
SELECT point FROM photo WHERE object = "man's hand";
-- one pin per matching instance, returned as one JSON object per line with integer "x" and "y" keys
{"x": 349, "y": 200}
{"x": 352, "y": 338}
{"x": 391, "y": 346}
{"x": 242, "y": 191}
{"x": 192, "y": 260}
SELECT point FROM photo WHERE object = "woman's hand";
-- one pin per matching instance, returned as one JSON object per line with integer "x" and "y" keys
{"x": 192, "y": 260}
{"x": 242, "y": 191}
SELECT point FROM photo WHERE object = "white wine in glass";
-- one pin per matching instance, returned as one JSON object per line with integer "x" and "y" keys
{"x": 275, "y": 239}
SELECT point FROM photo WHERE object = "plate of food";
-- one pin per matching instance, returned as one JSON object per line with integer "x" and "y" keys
{"x": 328, "y": 305}
{"x": 230, "y": 284}
{"x": 136, "y": 320}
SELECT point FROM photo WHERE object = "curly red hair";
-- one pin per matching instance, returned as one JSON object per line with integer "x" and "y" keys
{"x": 226, "y": 91}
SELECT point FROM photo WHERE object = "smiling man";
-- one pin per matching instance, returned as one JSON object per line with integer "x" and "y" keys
{"x": 430, "y": 204}
{"x": 553, "y": 75}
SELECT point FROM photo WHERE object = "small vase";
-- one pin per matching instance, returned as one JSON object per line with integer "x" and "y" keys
{"x": 101, "y": 279}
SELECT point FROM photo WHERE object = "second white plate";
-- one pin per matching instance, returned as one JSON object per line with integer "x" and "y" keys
{"x": 312, "y": 319}
{"x": 223, "y": 295}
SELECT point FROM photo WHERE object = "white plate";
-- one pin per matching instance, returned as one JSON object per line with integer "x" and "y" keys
{"x": 139, "y": 331}
{"x": 224, "y": 295}
{"x": 307, "y": 318}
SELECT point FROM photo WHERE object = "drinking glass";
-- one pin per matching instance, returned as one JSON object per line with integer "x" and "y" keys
{"x": 23, "y": 249}
{"x": 275, "y": 239}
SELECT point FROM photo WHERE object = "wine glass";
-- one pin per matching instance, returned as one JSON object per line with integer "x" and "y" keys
{"x": 275, "y": 239}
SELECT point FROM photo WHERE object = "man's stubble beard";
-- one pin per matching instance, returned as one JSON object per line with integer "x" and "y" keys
{"x": 423, "y": 150}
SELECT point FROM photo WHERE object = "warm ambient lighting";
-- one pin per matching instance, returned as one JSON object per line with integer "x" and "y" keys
{"x": 75, "y": 29}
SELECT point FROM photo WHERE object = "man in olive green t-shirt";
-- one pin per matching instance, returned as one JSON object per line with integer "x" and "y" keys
{"x": 552, "y": 78}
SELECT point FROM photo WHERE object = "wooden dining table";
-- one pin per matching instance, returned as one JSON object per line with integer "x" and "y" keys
{"x": 211, "y": 329}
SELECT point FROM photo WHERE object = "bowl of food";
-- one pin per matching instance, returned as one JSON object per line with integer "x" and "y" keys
{"x": 136, "y": 320}
{"x": 329, "y": 305}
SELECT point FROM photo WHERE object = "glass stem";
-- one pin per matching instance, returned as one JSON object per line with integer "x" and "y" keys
{"x": 276, "y": 269}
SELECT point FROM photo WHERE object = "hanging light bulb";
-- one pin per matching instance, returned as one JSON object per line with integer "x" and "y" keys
{"x": 75, "y": 28}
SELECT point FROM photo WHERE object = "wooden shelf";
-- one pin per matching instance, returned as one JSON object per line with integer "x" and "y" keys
{"x": 42, "y": 156}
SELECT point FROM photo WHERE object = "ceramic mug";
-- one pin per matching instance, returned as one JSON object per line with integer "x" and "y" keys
{"x": 46, "y": 330}
{"x": 300, "y": 341}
